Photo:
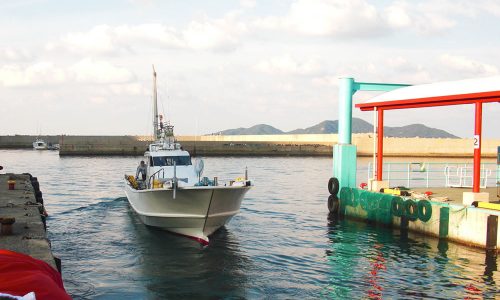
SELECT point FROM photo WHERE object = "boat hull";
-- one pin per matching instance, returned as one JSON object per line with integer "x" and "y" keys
{"x": 196, "y": 212}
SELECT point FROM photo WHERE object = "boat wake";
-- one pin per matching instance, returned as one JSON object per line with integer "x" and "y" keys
{"x": 103, "y": 204}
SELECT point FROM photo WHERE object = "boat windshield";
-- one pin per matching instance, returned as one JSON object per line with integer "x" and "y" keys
{"x": 160, "y": 161}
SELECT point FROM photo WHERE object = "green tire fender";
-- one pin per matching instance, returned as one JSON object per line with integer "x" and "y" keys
{"x": 424, "y": 210}
{"x": 411, "y": 210}
{"x": 385, "y": 203}
{"x": 397, "y": 206}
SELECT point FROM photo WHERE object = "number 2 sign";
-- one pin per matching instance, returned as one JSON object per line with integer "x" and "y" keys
{"x": 477, "y": 141}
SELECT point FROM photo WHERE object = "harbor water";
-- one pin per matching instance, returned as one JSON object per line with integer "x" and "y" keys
{"x": 282, "y": 245}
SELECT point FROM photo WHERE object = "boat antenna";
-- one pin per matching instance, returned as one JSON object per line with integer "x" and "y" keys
{"x": 155, "y": 106}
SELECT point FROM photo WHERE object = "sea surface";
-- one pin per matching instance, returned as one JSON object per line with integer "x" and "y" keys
{"x": 282, "y": 245}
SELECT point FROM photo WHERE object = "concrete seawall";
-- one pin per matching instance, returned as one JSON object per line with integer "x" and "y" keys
{"x": 25, "y": 141}
{"x": 276, "y": 145}
{"x": 260, "y": 145}
{"x": 452, "y": 221}
{"x": 24, "y": 206}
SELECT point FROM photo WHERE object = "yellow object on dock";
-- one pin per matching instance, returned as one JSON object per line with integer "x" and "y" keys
{"x": 488, "y": 205}
{"x": 396, "y": 192}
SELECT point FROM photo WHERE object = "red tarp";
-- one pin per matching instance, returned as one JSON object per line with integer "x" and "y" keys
{"x": 21, "y": 274}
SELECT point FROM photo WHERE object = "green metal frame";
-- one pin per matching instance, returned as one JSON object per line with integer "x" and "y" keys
{"x": 344, "y": 154}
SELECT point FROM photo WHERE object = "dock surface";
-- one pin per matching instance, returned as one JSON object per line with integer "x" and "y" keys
{"x": 454, "y": 195}
{"x": 28, "y": 232}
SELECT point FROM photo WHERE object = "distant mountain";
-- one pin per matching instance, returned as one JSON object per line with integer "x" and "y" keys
{"x": 257, "y": 129}
{"x": 419, "y": 130}
{"x": 358, "y": 126}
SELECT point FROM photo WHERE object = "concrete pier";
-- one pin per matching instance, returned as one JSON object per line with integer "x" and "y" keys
{"x": 27, "y": 234}
{"x": 441, "y": 215}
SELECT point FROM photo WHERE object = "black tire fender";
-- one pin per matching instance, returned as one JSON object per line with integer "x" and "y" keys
{"x": 333, "y": 186}
{"x": 333, "y": 204}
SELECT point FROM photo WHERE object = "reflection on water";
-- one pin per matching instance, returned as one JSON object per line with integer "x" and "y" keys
{"x": 282, "y": 245}
{"x": 173, "y": 263}
{"x": 372, "y": 262}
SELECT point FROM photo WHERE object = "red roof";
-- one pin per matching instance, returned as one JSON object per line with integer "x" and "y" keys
{"x": 437, "y": 94}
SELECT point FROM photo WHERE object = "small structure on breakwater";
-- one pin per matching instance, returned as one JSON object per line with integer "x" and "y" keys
{"x": 473, "y": 220}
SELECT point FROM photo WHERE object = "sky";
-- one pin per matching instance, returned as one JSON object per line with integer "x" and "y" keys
{"x": 85, "y": 67}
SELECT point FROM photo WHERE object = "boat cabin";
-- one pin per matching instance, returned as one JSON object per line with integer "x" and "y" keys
{"x": 168, "y": 160}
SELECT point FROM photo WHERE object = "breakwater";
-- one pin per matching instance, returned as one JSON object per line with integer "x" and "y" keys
{"x": 262, "y": 145}
{"x": 23, "y": 215}
{"x": 25, "y": 141}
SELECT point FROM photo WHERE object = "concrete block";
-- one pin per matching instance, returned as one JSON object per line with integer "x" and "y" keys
{"x": 469, "y": 197}
{"x": 375, "y": 185}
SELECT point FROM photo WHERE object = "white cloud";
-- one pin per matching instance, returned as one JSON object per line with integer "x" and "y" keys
{"x": 154, "y": 34}
{"x": 98, "y": 100}
{"x": 92, "y": 71}
{"x": 328, "y": 80}
{"x": 424, "y": 18}
{"x": 289, "y": 65}
{"x": 248, "y": 3}
{"x": 128, "y": 89}
{"x": 327, "y": 18}
{"x": 48, "y": 73}
{"x": 491, "y": 6}
{"x": 221, "y": 34}
{"x": 397, "y": 15}
{"x": 98, "y": 40}
{"x": 202, "y": 34}
{"x": 360, "y": 18}
{"x": 467, "y": 66}
{"x": 37, "y": 74}
{"x": 402, "y": 70}
{"x": 12, "y": 54}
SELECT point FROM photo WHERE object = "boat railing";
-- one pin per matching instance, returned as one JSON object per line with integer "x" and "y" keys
{"x": 156, "y": 176}
{"x": 434, "y": 174}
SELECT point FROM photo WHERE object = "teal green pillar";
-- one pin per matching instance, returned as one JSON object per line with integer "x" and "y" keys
{"x": 344, "y": 153}
{"x": 346, "y": 90}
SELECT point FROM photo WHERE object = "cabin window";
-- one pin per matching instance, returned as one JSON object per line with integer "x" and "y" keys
{"x": 160, "y": 161}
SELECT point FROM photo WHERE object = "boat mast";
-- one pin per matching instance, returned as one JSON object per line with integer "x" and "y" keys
{"x": 155, "y": 107}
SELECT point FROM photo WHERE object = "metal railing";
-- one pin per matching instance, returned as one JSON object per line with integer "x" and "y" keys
{"x": 155, "y": 176}
{"x": 434, "y": 174}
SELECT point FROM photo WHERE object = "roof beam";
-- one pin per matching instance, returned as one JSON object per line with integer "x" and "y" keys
{"x": 420, "y": 103}
{"x": 383, "y": 87}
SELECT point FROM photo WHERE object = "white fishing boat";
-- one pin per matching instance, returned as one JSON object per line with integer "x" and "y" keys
{"x": 39, "y": 144}
{"x": 173, "y": 195}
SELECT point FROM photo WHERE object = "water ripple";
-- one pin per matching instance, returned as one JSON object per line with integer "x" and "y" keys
{"x": 283, "y": 244}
